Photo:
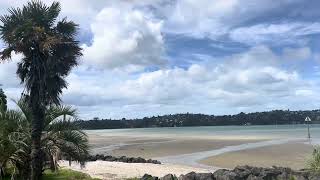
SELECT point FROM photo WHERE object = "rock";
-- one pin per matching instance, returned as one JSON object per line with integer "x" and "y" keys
{"x": 121, "y": 159}
{"x": 220, "y": 172}
{"x": 130, "y": 160}
{"x": 255, "y": 170}
{"x": 249, "y": 173}
{"x": 169, "y": 177}
{"x": 204, "y": 176}
{"x": 155, "y": 162}
{"x": 141, "y": 160}
{"x": 242, "y": 171}
{"x": 253, "y": 177}
{"x": 189, "y": 176}
{"x": 149, "y": 177}
{"x": 269, "y": 174}
{"x": 223, "y": 174}
{"x": 113, "y": 159}
{"x": 99, "y": 157}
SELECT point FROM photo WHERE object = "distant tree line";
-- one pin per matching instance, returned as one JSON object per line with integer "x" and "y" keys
{"x": 187, "y": 119}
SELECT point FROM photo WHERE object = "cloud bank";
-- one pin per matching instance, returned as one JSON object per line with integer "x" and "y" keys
{"x": 151, "y": 57}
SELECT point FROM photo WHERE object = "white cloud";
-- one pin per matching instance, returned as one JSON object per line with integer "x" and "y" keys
{"x": 199, "y": 18}
{"x": 129, "y": 36}
{"x": 250, "y": 81}
{"x": 8, "y": 76}
{"x": 276, "y": 33}
{"x": 297, "y": 54}
{"x": 214, "y": 19}
{"x": 9, "y": 79}
{"x": 124, "y": 36}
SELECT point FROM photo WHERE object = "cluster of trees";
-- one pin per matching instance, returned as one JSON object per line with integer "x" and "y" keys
{"x": 49, "y": 51}
{"x": 177, "y": 120}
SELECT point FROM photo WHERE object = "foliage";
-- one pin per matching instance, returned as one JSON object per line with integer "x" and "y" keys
{"x": 313, "y": 163}
{"x": 61, "y": 137}
{"x": 187, "y": 119}
{"x": 49, "y": 52}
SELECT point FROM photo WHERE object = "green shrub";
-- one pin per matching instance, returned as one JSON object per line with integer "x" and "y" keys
{"x": 313, "y": 163}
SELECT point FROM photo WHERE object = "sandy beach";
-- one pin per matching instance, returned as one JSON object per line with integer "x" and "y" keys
{"x": 292, "y": 155}
{"x": 155, "y": 147}
{"x": 183, "y": 152}
{"x": 118, "y": 170}
{"x": 173, "y": 147}
{"x": 224, "y": 153}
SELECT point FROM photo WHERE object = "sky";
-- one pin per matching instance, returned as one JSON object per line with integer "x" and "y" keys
{"x": 155, "y": 57}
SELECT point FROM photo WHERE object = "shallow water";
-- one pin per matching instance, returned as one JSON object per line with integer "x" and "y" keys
{"x": 192, "y": 159}
{"x": 219, "y": 132}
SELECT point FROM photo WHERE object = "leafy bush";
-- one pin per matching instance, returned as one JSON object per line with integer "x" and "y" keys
{"x": 313, "y": 163}
{"x": 61, "y": 138}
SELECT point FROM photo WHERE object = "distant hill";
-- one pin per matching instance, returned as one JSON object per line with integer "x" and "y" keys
{"x": 187, "y": 119}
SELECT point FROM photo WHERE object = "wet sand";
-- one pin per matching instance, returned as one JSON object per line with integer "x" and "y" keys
{"x": 155, "y": 146}
{"x": 291, "y": 154}
{"x": 213, "y": 152}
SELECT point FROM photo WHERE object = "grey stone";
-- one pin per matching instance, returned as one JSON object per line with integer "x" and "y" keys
{"x": 149, "y": 177}
{"x": 168, "y": 177}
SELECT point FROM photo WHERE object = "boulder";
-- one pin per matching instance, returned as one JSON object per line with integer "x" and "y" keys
{"x": 189, "y": 176}
{"x": 155, "y": 162}
{"x": 169, "y": 177}
{"x": 223, "y": 174}
{"x": 204, "y": 176}
{"x": 249, "y": 173}
{"x": 242, "y": 171}
{"x": 140, "y": 160}
{"x": 149, "y": 177}
{"x": 121, "y": 159}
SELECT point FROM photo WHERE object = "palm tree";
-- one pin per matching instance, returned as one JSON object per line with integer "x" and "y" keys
{"x": 62, "y": 137}
{"x": 50, "y": 52}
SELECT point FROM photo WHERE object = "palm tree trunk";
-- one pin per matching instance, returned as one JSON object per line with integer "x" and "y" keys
{"x": 37, "y": 127}
{"x": 1, "y": 172}
{"x": 52, "y": 164}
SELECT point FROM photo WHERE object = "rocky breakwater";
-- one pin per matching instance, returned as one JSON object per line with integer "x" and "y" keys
{"x": 243, "y": 173}
{"x": 125, "y": 159}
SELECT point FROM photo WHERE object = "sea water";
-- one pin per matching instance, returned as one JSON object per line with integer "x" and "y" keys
{"x": 220, "y": 132}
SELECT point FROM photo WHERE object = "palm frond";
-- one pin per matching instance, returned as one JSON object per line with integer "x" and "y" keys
{"x": 24, "y": 108}
{"x": 5, "y": 54}
{"x": 54, "y": 113}
{"x": 67, "y": 28}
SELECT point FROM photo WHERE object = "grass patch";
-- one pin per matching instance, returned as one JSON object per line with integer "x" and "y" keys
{"x": 64, "y": 174}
